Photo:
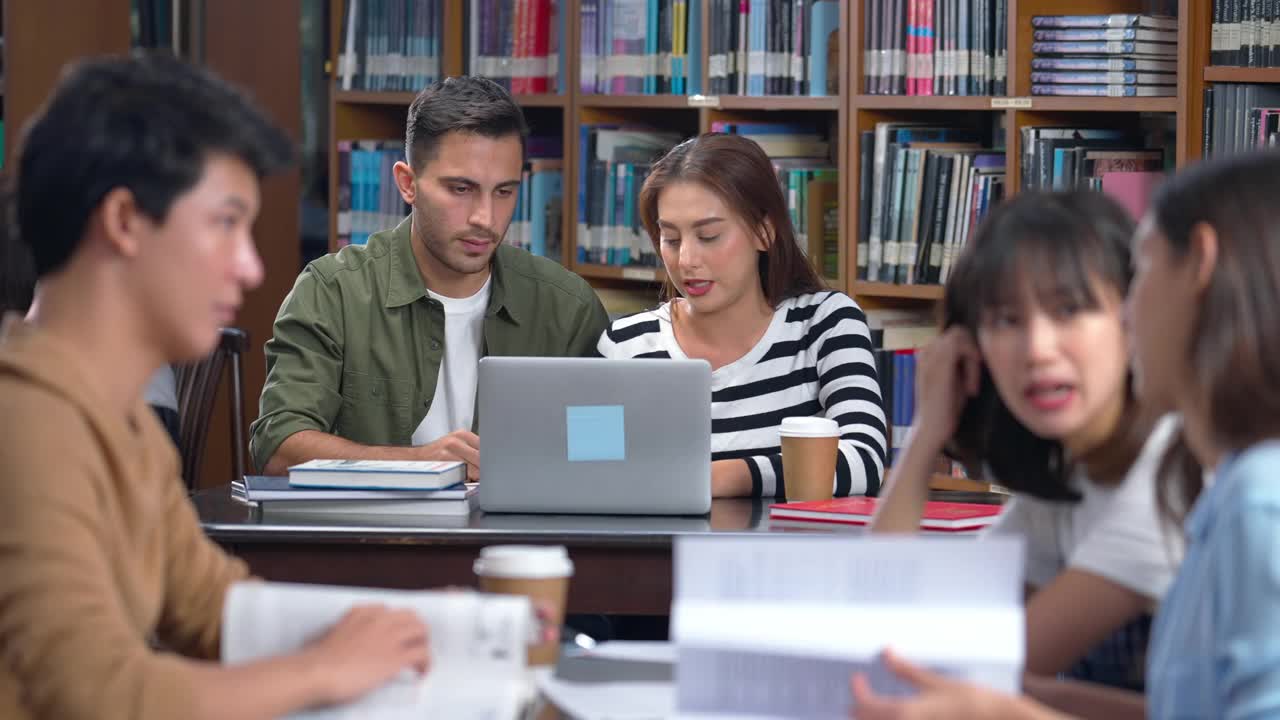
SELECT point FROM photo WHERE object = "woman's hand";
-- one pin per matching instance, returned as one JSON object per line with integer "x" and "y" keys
{"x": 938, "y": 697}
{"x": 948, "y": 373}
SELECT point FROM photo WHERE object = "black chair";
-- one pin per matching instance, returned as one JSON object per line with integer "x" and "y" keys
{"x": 197, "y": 391}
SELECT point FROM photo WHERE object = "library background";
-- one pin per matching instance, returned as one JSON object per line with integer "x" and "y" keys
{"x": 894, "y": 125}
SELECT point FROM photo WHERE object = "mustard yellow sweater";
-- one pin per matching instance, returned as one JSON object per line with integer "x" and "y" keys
{"x": 101, "y": 555}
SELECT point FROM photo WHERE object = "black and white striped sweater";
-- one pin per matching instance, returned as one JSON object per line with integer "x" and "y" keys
{"x": 815, "y": 359}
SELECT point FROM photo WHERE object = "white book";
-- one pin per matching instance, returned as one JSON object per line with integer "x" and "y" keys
{"x": 378, "y": 474}
{"x": 397, "y": 507}
{"x": 267, "y": 488}
{"x": 821, "y": 607}
{"x": 478, "y": 645}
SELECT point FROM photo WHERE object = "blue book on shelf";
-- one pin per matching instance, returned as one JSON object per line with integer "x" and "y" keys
{"x": 824, "y": 20}
{"x": 693, "y": 47}
{"x": 545, "y": 189}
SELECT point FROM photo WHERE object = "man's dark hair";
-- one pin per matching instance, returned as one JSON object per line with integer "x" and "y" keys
{"x": 460, "y": 104}
{"x": 147, "y": 122}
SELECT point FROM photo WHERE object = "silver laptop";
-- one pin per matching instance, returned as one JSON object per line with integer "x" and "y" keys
{"x": 592, "y": 435}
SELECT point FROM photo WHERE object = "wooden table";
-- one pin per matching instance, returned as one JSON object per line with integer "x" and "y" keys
{"x": 622, "y": 563}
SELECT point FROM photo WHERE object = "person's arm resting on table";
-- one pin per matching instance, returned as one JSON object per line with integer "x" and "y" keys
{"x": 302, "y": 397}
{"x": 70, "y": 644}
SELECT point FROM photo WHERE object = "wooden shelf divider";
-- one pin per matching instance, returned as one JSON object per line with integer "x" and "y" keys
{"x": 1223, "y": 73}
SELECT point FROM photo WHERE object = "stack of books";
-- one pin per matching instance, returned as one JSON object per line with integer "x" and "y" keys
{"x": 939, "y": 515}
{"x": 363, "y": 487}
{"x": 1125, "y": 55}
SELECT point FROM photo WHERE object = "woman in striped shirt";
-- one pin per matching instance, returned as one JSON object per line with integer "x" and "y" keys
{"x": 747, "y": 301}
{"x": 1206, "y": 344}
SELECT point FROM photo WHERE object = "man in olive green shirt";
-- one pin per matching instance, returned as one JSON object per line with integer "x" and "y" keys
{"x": 375, "y": 349}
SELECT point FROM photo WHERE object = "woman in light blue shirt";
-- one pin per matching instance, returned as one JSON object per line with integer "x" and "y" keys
{"x": 1206, "y": 344}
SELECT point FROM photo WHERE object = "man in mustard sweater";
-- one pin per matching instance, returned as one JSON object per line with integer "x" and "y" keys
{"x": 137, "y": 189}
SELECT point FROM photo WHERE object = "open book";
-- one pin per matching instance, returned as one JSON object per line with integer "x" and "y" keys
{"x": 775, "y": 626}
{"x": 478, "y": 646}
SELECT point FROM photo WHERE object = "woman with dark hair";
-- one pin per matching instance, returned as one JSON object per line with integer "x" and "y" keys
{"x": 1028, "y": 386}
{"x": 1205, "y": 345}
{"x": 743, "y": 297}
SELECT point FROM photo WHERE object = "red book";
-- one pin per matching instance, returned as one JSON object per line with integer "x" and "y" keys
{"x": 938, "y": 515}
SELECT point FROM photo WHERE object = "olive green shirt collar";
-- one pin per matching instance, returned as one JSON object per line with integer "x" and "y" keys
{"x": 407, "y": 284}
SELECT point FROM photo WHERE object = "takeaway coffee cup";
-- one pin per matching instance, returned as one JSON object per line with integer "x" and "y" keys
{"x": 809, "y": 446}
{"x": 540, "y": 572}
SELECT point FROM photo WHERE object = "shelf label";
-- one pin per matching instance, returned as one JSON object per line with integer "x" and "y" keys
{"x": 639, "y": 274}
{"x": 704, "y": 101}
{"x": 1011, "y": 103}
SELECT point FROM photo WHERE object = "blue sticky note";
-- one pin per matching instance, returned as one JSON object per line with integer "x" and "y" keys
{"x": 596, "y": 433}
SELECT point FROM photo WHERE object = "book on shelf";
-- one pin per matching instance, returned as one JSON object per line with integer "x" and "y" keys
{"x": 1240, "y": 117}
{"x": 378, "y": 474}
{"x": 613, "y": 163}
{"x": 1115, "y": 20}
{"x": 1104, "y": 64}
{"x": 1245, "y": 33}
{"x": 390, "y": 45}
{"x": 935, "y": 47}
{"x": 641, "y": 47}
{"x": 1133, "y": 189}
{"x": 939, "y": 515}
{"x": 536, "y": 225}
{"x": 929, "y": 186}
{"x": 368, "y": 200}
{"x": 516, "y": 43}
{"x": 1067, "y": 77}
{"x": 1104, "y": 90}
{"x": 1064, "y": 158}
{"x": 946, "y": 603}
{"x": 479, "y": 645}
{"x": 1104, "y": 47}
{"x": 1106, "y": 34}
{"x": 773, "y": 47}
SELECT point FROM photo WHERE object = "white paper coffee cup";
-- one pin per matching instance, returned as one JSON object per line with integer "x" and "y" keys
{"x": 809, "y": 447}
{"x": 809, "y": 427}
{"x": 539, "y": 572}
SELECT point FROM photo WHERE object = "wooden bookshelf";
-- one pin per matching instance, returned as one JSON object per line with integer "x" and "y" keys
{"x": 1242, "y": 74}
{"x": 894, "y": 290}
{"x": 356, "y": 114}
{"x": 924, "y": 102}
{"x": 404, "y": 99}
{"x": 748, "y": 102}
{"x": 633, "y": 101}
{"x": 1105, "y": 104}
{"x": 617, "y": 272}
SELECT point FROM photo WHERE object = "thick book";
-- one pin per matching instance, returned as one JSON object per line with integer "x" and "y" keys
{"x": 268, "y": 488}
{"x": 378, "y": 474}
{"x": 1104, "y": 47}
{"x": 1106, "y": 90}
{"x": 938, "y": 515}
{"x": 1122, "y": 20}
{"x": 395, "y": 507}
{"x": 1068, "y": 77}
{"x": 1094, "y": 34}
{"x": 1105, "y": 64}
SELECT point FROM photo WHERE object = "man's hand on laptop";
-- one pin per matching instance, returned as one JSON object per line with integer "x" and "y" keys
{"x": 457, "y": 445}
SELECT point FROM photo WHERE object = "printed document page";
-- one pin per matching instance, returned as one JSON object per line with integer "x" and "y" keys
{"x": 478, "y": 646}
{"x": 774, "y": 627}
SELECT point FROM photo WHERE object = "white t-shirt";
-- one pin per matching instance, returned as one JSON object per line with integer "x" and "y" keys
{"x": 1113, "y": 532}
{"x": 454, "y": 405}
